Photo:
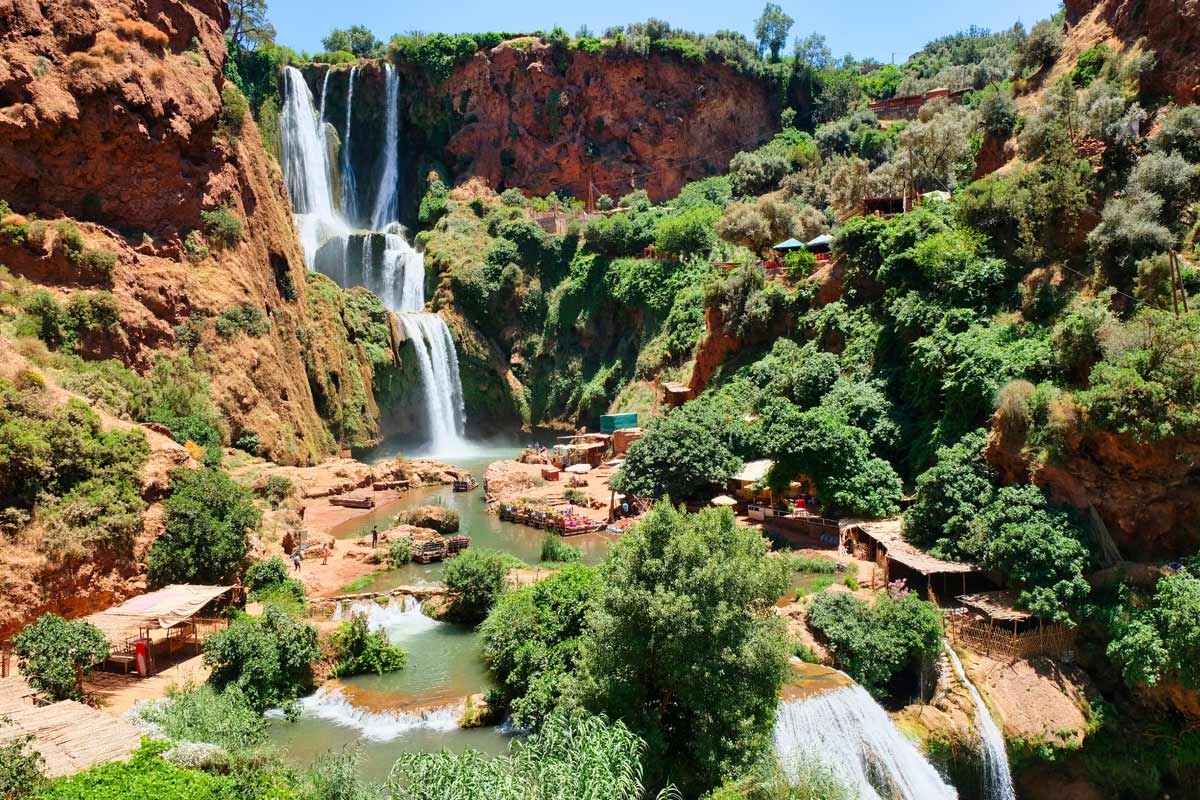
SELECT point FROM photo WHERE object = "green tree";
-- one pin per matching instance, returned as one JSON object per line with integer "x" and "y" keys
{"x": 207, "y": 519}
{"x": 1159, "y": 637}
{"x": 268, "y": 658}
{"x": 679, "y": 456}
{"x": 248, "y": 25}
{"x": 949, "y": 495}
{"x": 531, "y": 641}
{"x": 772, "y": 28}
{"x": 54, "y": 654}
{"x": 356, "y": 39}
{"x": 359, "y": 651}
{"x": 684, "y": 646}
{"x": 476, "y": 578}
{"x": 146, "y": 775}
{"x": 873, "y": 643}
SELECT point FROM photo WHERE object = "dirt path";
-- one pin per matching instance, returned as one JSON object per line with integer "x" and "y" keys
{"x": 117, "y": 693}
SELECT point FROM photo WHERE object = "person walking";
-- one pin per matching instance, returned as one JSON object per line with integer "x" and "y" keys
{"x": 296, "y": 560}
{"x": 374, "y": 537}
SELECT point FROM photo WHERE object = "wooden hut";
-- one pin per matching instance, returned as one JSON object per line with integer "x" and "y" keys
{"x": 991, "y": 623}
{"x": 883, "y": 543}
{"x": 161, "y": 623}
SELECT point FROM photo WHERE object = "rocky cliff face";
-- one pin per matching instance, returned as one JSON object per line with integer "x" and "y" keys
{"x": 111, "y": 111}
{"x": 543, "y": 121}
{"x": 543, "y": 118}
{"x": 1170, "y": 27}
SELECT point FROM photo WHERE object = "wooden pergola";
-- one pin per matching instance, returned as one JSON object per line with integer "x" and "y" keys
{"x": 992, "y": 622}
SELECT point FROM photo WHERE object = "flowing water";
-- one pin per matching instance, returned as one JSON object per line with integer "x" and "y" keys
{"x": 845, "y": 730}
{"x": 417, "y": 709}
{"x": 997, "y": 778}
{"x": 397, "y": 273}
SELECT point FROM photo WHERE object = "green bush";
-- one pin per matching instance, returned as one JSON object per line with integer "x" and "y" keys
{"x": 1088, "y": 65}
{"x": 222, "y": 227}
{"x": 433, "y": 204}
{"x": 687, "y": 233}
{"x": 53, "y": 654}
{"x": 22, "y": 774}
{"x": 476, "y": 577}
{"x": 817, "y": 565}
{"x": 243, "y": 318}
{"x": 399, "y": 553}
{"x": 271, "y": 579}
{"x": 233, "y": 109}
{"x": 555, "y": 550}
{"x": 873, "y": 643}
{"x": 1156, "y": 637}
{"x": 268, "y": 658}
{"x": 202, "y": 714}
{"x": 100, "y": 263}
{"x": 207, "y": 519}
{"x": 278, "y": 488}
{"x": 358, "y": 651}
{"x": 68, "y": 241}
{"x": 146, "y": 776}
{"x": 92, "y": 311}
{"x": 194, "y": 248}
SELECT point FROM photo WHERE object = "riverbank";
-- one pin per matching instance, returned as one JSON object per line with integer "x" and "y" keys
{"x": 512, "y": 482}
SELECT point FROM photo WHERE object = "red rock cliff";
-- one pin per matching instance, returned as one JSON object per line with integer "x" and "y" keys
{"x": 111, "y": 110}
{"x": 1170, "y": 27}
{"x": 543, "y": 123}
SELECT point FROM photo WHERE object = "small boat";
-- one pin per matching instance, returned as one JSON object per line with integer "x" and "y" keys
{"x": 456, "y": 544}
{"x": 465, "y": 484}
{"x": 353, "y": 500}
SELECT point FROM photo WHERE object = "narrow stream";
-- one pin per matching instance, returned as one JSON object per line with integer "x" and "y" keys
{"x": 417, "y": 709}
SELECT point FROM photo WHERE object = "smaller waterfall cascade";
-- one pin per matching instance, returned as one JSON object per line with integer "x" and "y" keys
{"x": 848, "y": 732}
{"x": 400, "y": 619}
{"x": 997, "y": 778}
{"x": 386, "y": 199}
{"x": 349, "y": 187}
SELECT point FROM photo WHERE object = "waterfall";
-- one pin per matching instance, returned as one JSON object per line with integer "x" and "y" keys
{"x": 306, "y": 168}
{"x": 400, "y": 619}
{"x": 438, "y": 363}
{"x": 349, "y": 189}
{"x": 386, "y": 200}
{"x": 997, "y": 779}
{"x": 848, "y": 732}
{"x": 399, "y": 276}
{"x": 331, "y": 704}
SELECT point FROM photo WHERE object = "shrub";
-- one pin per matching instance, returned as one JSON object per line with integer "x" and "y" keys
{"x": 1170, "y": 177}
{"x": 1129, "y": 231}
{"x": 270, "y": 579}
{"x": 68, "y": 241}
{"x": 268, "y": 658}
{"x": 206, "y": 519}
{"x": 201, "y": 714}
{"x": 49, "y": 318}
{"x": 146, "y": 775}
{"x": 476, "y": 578}
{"x": 687, "y": 233}
{"x": 278, "y": 488}
{"x": 1041, "y": 47}
{"x": 818, "y": 565}
{"x": 233, "y": 110}
{"x": 222, "y": 227}
{"x": 90, "y": 311}
{"x": 243, "y": 318}
{"x": 194, "y": 248}
{"x": 358, "y": 651}
{"x": 1155, "y": 637}
{"x": 1088, "y": 65}
{"x": 22, "y": 773}
{"x": 998, "y": 113}
{"x": 433, "y": 204}
{"x": 139, "y": 31}
{"x": 1179, "y": 133}
{"x": 873, "y": 643}
{"x": 555, "y": 550}
{"x": 54, "y": 654}
{"x": 399, "y": 553}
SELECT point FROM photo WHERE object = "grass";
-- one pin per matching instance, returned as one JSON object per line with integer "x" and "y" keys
{"x": 817, "y": 565}
{"x": 358, "y": 584}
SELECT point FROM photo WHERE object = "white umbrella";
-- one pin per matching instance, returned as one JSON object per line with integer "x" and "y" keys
{"x": 579, "y": 469}
{"x": 724, "y": 500}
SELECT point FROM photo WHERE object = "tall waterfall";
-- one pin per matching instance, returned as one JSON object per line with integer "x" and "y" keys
{"x": 397, "y": 274}
{"x": 997, "y": 778}
{"x": 846, "y": 731}
{"x": 386, "y": 199}
{"x": 349, "y": 187}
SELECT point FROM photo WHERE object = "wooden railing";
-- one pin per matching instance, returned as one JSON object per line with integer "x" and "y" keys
{"x": 5, "y": 658}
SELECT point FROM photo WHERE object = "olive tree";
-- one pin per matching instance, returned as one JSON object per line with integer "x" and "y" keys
{"x": 54, "y": 654}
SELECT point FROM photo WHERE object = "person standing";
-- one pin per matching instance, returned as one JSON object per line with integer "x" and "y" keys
{"x": 296, "y": 560}
{"x": 374, "y": 536}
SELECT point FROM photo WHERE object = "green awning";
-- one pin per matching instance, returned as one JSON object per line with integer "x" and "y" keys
{"x": 790, "y": 244}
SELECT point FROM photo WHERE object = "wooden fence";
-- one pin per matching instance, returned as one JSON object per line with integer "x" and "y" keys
{"x": 5, "y": 657}
{"x": 1053, "y": 641}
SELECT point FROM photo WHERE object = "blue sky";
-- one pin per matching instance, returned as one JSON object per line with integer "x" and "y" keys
{"x": 875, "y": 28}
